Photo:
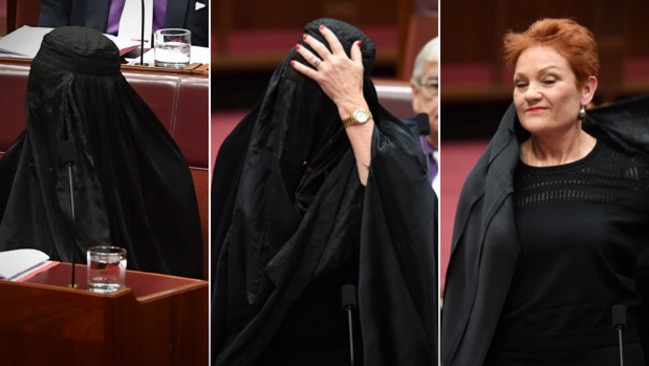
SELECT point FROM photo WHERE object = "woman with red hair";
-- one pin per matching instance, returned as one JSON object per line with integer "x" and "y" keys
{"x": 550, "y": 233}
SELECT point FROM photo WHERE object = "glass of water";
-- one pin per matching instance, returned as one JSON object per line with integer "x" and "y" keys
{"x": 106, "y": 268}
{"x": 172, "y": 47}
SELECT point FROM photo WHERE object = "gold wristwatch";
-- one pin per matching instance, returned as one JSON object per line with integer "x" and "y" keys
{"x": 359, "y": 117}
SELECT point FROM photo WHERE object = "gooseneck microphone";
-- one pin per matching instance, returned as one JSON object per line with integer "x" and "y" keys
{"x": 67, "y": 154}
{"x": 349, "y": 303}
{"x": 619, "y": 322}
{"x": 422, "y": 124}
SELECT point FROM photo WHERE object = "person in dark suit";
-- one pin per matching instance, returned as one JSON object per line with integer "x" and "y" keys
{"x": 424, "y": 84}
{"x": 188, "y": 14}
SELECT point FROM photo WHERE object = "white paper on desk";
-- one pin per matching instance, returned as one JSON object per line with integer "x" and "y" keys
{"x": 25, "y": 42}
{"x": 199, "y": 55}
{"x": 17, "y": 261}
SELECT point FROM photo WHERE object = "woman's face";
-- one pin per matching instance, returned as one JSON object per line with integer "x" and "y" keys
{"x": 546, "y": 94}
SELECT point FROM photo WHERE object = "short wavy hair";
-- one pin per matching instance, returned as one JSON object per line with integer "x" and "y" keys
{"x": 571, "y": 40}
{"x": 428, "y": 54}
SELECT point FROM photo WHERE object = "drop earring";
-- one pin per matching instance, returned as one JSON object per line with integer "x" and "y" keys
{"x": 582, "y": 114}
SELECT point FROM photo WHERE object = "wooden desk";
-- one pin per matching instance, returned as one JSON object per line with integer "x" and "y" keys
{"x": 155, "y": 320}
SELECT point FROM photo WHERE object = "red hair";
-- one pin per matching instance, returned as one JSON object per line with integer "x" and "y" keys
{"x": 571, "y": 40}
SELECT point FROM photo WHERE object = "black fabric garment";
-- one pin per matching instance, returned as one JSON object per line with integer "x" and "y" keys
{"x": 485, "y": 246}
{"x": 574, "y": 267}
{"x": 291, "y": 222}
{"x": 132, "y": 186}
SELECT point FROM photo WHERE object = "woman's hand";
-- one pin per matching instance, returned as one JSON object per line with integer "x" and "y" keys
{"x": 341, "y": 79}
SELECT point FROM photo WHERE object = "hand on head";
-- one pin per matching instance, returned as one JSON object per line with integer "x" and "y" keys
{"x": 339, "y": 76}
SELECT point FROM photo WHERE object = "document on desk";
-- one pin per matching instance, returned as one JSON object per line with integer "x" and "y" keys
{"x": 20, "y": 264}
{"x": 25, "y": 42}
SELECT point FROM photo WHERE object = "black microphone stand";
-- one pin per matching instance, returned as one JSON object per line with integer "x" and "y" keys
{"x": 142, "y": 35}
{"x": 67, "y": 151}
{"x": 619, "y": 322}
{"x": 349, "y": 303}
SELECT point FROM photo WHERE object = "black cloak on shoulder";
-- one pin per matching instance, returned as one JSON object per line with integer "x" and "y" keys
{"x": 132, "y": 186}
{"x": 484, "y": 252}
{"x": 288, "y": 208}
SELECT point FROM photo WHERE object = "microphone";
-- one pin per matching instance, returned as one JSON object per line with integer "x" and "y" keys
{"x": 142, "y": 35}
{"x": 349, "y": 303}
{"x": 422, "y": 124}
{"x": 423, "y": 128}
{"x": 67, "y": 155}
{"x": 619, "y": 322}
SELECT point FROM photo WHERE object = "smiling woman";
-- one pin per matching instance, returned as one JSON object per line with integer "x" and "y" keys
{"x": 548, "y": 99}
{"x": 555, "y": 67}
{"x": 549, "y": 234}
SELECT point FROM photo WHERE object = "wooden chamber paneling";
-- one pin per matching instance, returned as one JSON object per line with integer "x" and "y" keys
{"x": 260, "y": 14}
{"x": 473, "y": 30}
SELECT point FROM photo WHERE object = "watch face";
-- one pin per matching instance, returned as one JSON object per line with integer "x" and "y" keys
{"x": 361, "y": 115}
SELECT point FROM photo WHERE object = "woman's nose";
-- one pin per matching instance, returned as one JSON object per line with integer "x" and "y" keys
{"x": 533, "y": 91}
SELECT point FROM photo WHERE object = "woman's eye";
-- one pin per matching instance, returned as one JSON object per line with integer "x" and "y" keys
{"x": 549, "y": 81}
{"x": 520, "y": 84}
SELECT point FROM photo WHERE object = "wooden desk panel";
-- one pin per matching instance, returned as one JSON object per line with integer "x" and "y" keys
{"x": 156, "y": 320}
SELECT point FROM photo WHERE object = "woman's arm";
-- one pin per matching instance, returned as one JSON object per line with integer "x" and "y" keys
{"x": 341, "y": 79}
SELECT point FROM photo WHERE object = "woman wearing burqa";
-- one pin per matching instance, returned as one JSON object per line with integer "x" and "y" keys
{"x": 302, "y": 205}
{"x": 132, "y": 186}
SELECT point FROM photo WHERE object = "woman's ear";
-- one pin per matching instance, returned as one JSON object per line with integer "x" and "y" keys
{"x": 588, "y": 90}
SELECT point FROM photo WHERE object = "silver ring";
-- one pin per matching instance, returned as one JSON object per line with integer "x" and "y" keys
{"x": 317, "y": 61}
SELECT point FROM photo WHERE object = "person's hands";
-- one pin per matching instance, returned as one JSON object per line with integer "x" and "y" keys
{"x": 340, "y": 77}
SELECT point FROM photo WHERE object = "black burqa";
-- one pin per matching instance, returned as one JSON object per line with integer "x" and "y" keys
{"x": 288, "y": 210}
{"x": 132, "y": 186}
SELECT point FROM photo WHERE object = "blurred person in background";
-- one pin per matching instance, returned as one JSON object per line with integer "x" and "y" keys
{"x": 105, "y": 16}
{"x": 425, "y": 85}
